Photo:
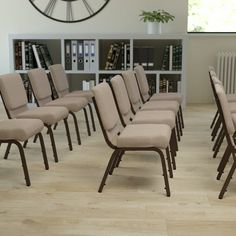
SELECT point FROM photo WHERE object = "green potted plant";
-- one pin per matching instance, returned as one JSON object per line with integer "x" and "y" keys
{"x": 154, "y": 19}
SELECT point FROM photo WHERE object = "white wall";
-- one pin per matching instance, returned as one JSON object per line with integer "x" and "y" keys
{"x": 119, "y": 16}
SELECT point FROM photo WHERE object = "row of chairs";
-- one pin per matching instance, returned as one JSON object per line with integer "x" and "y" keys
{"x": 223, "y": 126}
{"x": 132, "y": 120}
{"x": 25, "y": 122}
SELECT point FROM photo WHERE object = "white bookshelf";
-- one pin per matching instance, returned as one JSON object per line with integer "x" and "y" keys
{"x": 56, "y": 44}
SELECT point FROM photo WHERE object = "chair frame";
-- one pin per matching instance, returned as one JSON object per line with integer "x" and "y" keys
{"x": 118, "y": 152}
{"x": 22, "y": 155}
{"x": 70, "y": 112}
{"x": 49, "y": 131}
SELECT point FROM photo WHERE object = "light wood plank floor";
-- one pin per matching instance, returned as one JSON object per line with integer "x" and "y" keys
{"x": 64, "y": 200}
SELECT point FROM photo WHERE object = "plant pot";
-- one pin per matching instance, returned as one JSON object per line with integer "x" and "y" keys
{"x": 153, "y": 28}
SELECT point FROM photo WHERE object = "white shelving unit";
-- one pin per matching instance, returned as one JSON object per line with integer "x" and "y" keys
{"x": 56, "y": 46}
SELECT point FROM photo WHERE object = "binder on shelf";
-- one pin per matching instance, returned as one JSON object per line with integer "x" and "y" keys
{"x": 86, "y": 55}
{"x": 74, "y": 58}
{"x": 85, "y": 85}
{"x": 80, "y": 55}
{"x": 23, "y": 54}
{"x": 68, "y": 55}
{"x": 92, "y": 56}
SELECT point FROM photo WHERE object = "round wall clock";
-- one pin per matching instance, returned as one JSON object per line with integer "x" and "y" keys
{"x": 69, "y": 11}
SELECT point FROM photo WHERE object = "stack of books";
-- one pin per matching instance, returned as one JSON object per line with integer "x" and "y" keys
{"x": 172, "y": 57}
{"x": 118, "y": 57}
{"x": 29, "y": 55}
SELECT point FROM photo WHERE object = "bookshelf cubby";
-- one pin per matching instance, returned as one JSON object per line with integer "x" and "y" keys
{"x": 98, "y": 57}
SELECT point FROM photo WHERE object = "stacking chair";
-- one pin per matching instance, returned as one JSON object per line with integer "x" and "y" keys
{"x": 61, "y": 85}
{"x": 145, "y": 93}
{"x": 15, "y": 131}
{"x": 16, "y": 105}
{"x": 138, "y": 137}
{"x": 43, "y": 94}
{"x": 230, "y": 131}
{"x": 142, "y": 117}
{"x": 137, "y": 104}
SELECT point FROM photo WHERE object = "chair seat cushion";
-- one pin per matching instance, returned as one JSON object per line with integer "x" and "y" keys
{"x": 20, "y": 129}
{"x": 231, "y": 97}
{"x": 80, "y": 93}
{"x": 144, "y": 135}
{"x": 161, "y": 105}
{"x": 155, "y": 117}
{"x": 73, "y": 104}
{"x": 167, "y": 96}
{"x": 48, "y": 115}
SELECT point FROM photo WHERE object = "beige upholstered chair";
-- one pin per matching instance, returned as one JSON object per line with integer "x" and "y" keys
{"x": 145, "y": 93}
{"x": 42, "y": 92}
{"x": 138, "y": 137}
{"x": 142, "y": 117}
{"x": 15, "y": 131}
{"x": 61, "y": 85}
{"x": 136, "y": 102}
{"x": 228, "y": 121}
{"x": 16, "y": 105}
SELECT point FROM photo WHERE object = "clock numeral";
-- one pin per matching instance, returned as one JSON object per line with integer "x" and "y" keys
{"x": 50, "y": 7}
{"x": 88, "y": 7}
{"x": 69, "y": 12}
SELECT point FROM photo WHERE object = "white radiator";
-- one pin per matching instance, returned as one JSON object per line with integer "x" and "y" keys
{"x": 226, "y": 70}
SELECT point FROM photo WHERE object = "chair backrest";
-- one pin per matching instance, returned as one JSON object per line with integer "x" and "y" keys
{"x": 224, "y": 107}
{"x": 142, "y": 82}
{"x": 107, "y": 112}
{"x": 59, "y": 79}
{"x": 122, "y": 99}
{"x": 40, "y": 85}
{"x": 13, "y": 94}
{"x": 132, "y": 89}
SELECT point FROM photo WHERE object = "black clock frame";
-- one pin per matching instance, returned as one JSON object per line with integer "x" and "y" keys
{"x": 66, "y": 21}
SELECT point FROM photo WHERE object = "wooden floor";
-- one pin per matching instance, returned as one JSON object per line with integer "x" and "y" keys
{"x": 64, "y": 200}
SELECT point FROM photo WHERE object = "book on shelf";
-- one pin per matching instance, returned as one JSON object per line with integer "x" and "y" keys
{"x": 172, "y": 57}
{"x": 29, "y": 55}
{"x": 46, "y": 55}
{"x": 144, "y": 56}
{"x": 87, "y": 84}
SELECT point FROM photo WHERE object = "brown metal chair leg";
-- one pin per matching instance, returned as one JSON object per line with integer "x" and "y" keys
{"x": 7, "y": 151}
{"x": 25, "y": 143}
{"x": 23, "y": 161}
{"x": 222, "y": 135}
{"x": 167, "y": 187}
{"x": 215, "y": 129}
{"x": 87, "y": 121}
{"x": 107, "y": 171}
{"x": 76, "y": 127}
{"x": 181, "y": 116}
{"x": 177, "y": 129}
{"x": 227, "y": 181}
{"x": 55, "y": 126}
{"x": 35, "y": 138}
{"x": 214, "y": 119}
{"x": 68, "y": 134}
{"x": 45, "y": 159}
{"x": 223, "y": 162}
{"x": 92, "y": 117}
{"x": 53, "y": 143}
{"x": 179, "y": 122}
{"x": 114, "y": 163}
{"x": 169, "y": 163}
{"x": 218, "y": 139}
